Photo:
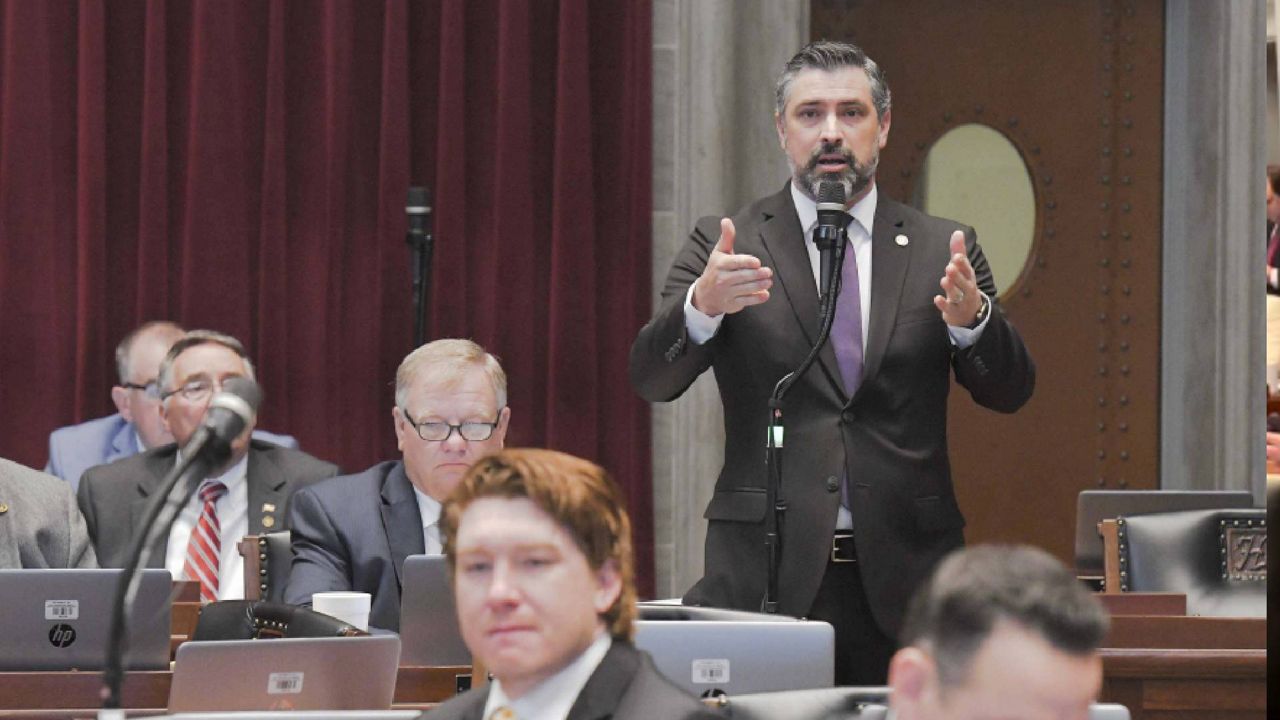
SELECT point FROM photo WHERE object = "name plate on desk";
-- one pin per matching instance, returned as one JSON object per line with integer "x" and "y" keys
{"x": 1244, "y": 550}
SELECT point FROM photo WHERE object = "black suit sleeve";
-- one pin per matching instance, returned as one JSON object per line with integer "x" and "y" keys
{"x": 318, "y": 564}
{"x": 664, "y": 361}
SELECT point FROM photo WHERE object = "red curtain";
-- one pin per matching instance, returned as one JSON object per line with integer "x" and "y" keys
{"x": 242, "y": 165}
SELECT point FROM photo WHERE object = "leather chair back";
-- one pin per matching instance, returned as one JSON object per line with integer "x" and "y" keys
{"x": 1216, "y": 557}
{"x": 267, "y": 559}
{"x": 261, "y": 620}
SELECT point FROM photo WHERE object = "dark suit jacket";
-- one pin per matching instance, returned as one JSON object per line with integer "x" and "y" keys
{"x": 624, "y": 687}
{"x": 353, "y": 533}
{"x": 890, "y": 437}
{"x": 40, "y": 525}
{"x": 113, "y": 497}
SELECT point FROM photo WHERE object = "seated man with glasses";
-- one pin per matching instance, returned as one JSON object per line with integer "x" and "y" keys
{"x": 137, "y": 426}
{"x": 353, "y": 533}
{"x": 249, "y": 494}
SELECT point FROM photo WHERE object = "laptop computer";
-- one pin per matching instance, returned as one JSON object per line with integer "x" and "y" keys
{"x": 59, "y": 619}
{"x": 428, "y": 617}
{"x": 329, "y": 673}
{"x": 765, "y": 653}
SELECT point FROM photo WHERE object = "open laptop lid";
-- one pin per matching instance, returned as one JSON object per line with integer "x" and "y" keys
{"x": 330, "y": 673}
{"x": 59, "y": 619}
{"x": 428, "y": 616}
{"x": 740, "y": 656}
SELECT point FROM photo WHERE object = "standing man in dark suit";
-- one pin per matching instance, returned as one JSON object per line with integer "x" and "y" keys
{"x": 354, "y": 532}
{"x": 540, "y": 547}
{"x": 865, "y": 473}
{"x": 249, "y": 494}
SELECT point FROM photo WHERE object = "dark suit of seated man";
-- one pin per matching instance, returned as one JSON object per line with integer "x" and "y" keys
{"x": 40, "y": 525}
{"x": 540, "y": 547}
{"x": 249, "y": 494}
{"x": 354, "y": 532}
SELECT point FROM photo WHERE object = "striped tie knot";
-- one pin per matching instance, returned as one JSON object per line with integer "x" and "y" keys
{"x": 211, "y": 491}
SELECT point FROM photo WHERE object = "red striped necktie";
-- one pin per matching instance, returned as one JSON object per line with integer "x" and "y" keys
{"x": 205, "y": 546}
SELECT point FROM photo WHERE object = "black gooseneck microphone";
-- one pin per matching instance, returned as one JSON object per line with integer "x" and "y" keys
{"x": 231, "y": 410}
{"x": 832, "y": 221}
{"x": 417, "y": 207}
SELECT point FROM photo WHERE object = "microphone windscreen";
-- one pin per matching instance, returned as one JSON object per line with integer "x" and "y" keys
{"x": 417, "y": 201}
{"x": 831, "y": 192}
{"x": 243, "y": 389}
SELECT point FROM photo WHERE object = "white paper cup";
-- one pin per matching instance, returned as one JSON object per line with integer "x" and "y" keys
{"x": 350, "y": 607}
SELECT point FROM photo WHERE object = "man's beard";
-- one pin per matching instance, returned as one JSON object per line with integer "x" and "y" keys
{"x": 855, "y": 177}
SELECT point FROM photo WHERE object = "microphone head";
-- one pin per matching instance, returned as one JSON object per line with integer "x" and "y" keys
{"x": 417, "y": 202}
{"x": 241, "y": 396}
{"x": 831, "y": 192}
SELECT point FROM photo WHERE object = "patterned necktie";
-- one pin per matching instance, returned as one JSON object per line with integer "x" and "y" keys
{"x": 846, "y": 328}
{"x": 205, "y": 546}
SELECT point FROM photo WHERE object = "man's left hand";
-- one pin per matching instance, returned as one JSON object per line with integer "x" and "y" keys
{"x": 960, "y": 299}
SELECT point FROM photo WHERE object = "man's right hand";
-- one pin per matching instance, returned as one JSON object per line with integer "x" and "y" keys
{"x": 730, "y": 282}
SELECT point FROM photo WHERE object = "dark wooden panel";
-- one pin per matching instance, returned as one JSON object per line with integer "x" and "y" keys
{"x": 1077, "y": 87}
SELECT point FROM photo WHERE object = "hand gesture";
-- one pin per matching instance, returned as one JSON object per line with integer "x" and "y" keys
{"x": 960, "y": 299}
{"x": 730, "y": 282}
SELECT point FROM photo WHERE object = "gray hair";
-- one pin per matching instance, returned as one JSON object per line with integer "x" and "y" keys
{"x": 201, "y": 337}
{"x": 448, "y": 360}
{"x": 161, "y": 329}
{"x": 830, "y": 55}
{"x": 974, "y": 589}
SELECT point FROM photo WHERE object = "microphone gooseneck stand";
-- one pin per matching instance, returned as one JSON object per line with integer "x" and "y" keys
{"x": 775, "y": 502}
{"x": 421, "y": 241}
{"x": 205, "y": 452}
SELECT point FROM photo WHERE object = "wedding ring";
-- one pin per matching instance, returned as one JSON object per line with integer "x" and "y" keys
{"x": 958, "y": 299}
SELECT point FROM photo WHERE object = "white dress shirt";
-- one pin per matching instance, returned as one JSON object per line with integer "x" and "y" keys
{"x": 429, "y": 509}
{"x": 233, "y": 518}
{"x": 553, "y": 698}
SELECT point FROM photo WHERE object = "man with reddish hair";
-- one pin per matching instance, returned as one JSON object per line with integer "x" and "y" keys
{"x": 540, "y": 549}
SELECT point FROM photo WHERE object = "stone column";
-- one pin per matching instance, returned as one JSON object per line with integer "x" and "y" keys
{"x": 714, "y": 150}
{"x": 1212, "y": 376}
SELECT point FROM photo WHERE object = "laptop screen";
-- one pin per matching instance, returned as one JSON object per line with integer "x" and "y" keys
{"x": 59, "y": 619}
{"x": 428, "y": 616}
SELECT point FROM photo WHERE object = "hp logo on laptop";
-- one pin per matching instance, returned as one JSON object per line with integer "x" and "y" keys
{"x": 62, "y": 635}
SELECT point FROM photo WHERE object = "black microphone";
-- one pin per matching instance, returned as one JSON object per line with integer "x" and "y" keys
{"x": 231, "y": 410}
{"x": 832, "y": 221}
{"x": 417, "y": 206}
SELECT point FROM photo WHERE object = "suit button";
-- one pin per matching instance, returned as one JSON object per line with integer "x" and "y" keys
{"x": 833, "y": 484}
{"x": 848, "y": 416}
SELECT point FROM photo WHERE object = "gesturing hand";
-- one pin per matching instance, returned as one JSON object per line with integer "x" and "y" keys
{"x": 960, "y": 298}
{"x": 730, "y": 282}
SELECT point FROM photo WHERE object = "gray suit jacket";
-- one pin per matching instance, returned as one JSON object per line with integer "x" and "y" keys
{"x": 113, "y": 497}
{"x": 40, "y": 525}
{"x": 889, "y": 439}
{"x": 624, "y": 687}
{"x": 353, "y": 533}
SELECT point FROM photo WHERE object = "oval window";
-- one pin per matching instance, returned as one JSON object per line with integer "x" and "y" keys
{"x": 973, "y": 174}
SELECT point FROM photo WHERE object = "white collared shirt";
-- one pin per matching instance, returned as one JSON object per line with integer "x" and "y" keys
{"x": 553, "y": 698}
{"x": 702, "y": 327}
{"x": 429, "y": 510}
{"x": 233, "y": 518}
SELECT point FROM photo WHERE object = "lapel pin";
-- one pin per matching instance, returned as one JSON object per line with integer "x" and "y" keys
{"x": 3, "y": 508}
{"x": 268, "y": 521}
{"x": 268, "y": 507}
{"x": 901, "y": 240}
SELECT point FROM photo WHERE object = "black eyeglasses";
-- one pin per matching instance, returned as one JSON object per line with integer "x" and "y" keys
{"x": 151, "y": 389}
{"x": 440, "y": 431}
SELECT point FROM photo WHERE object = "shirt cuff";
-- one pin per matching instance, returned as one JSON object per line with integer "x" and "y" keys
{"x": 700, "y": 326}
{"x": 963, "y": 337}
